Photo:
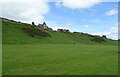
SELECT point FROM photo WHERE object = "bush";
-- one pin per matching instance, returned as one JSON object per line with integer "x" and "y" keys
{"x": 104, "y": 36}
{"x": 35, "y": 32}
{"x": 80, "y": 33}
{"x": 98, "y": 39}
{"x": 33, "y": 23}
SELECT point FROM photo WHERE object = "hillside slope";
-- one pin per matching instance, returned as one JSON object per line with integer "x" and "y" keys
{"x": 13, "y": 33}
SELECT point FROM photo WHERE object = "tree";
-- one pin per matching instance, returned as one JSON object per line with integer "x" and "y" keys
{"x": 67, "y": 30}
{"x": 104, "y": 36}
{"x": 33, "y": 23}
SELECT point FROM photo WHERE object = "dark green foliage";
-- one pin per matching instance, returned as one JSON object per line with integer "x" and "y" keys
{"x": 79, "y": 33}
{"x": 33, "y": 23}
{"x": 104, "y": 36}
{"x": 76, "y": 32}
{"x": 98, "y": 39}
{"x": 35, "y": 32}
{"x": 85, "y": 34}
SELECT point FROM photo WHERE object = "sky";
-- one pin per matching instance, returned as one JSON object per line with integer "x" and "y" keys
{"x": 94, "y": 17}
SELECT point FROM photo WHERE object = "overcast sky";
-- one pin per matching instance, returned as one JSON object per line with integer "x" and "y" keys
{"x": 94, "y": 17}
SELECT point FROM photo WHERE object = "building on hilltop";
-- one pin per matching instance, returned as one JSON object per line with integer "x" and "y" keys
{"x": 63, "y": 30}
{"x": 44, "y": 26}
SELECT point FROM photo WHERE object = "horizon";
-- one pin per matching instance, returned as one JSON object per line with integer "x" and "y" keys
{"x": 96, "y": 18}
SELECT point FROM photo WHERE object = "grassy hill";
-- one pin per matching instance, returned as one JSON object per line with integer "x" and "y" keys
{"x": 13, "y": 33}
{"x": 27, "y": 50}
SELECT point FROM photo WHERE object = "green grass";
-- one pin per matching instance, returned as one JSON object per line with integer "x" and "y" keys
{"x": 61, "y": 54}
{"x": 13, "y": 34}
{"x": 0, "y": 47}
{"x": 59, "y": 59}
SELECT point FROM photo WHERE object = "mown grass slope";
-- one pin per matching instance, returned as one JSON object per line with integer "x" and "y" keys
{"x": 59, "y": 59}
{"x": 28, "y": 50}
{"x": 13, "y": 33}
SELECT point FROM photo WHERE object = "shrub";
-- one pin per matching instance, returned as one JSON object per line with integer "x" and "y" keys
{"x": 33, "y": 23}
{"x": 80, "y": 33}
{"x": 35, "y": 32}
{"x": 104, "y": 36}
{"x": 98, "y": 39}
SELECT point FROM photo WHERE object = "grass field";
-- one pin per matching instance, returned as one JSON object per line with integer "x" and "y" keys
{"x": 13, "y": 34}
{"x": 59, "y": 59}
{"x": 64, "y": 53}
